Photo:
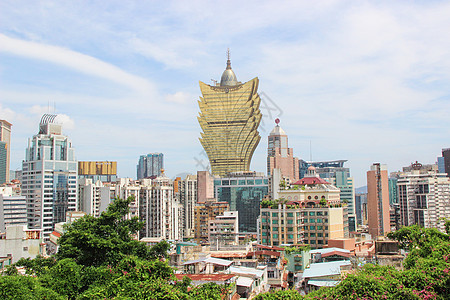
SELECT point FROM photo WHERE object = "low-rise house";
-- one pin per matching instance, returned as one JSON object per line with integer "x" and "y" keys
{"x": 324, "y": 274}
{"x": 20, "y": 242}
{"x": 329, "y": 254}
{"x": 251, "y": 281}
{"x": 206, "y": 265}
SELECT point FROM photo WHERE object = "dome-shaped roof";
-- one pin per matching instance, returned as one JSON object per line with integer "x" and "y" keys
{"x": 228, "y": 77}
{"x": 311, "y": 168}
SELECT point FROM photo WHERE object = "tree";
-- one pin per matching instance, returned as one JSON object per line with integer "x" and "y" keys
{"x": 20, "y": 287}
{"x": 107, "y": 239}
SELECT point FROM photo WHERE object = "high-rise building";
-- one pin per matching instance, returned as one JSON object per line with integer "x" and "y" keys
{"x": 424, "y": 197}
{"x": 13, "y": 211}
{"x": 280, "y": 156}
{"x": 94, "y": 196}
{"x": 446, "y": 156}
{"x": 361, "y": 208}
{"x": 378, "y": 200}
{"x": 160, "y": 210}
{"x": 229, "y": 117}
{"x": 188, "y": 199}
{"x": 393, "y": 190}
{"x": 150, "y": 165}
{"x": 105, "y": 171}
{"x": 243, "y": 191}
{"x": 5, "y": 152}
{"x": 205, "y": 212}
{"x": 205, "y": 186}
{"x": 49, "y": 176}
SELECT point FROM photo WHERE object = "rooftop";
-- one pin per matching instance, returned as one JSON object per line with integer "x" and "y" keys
{"x": 325, "y": 269}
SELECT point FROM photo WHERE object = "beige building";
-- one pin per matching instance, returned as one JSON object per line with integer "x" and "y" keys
{"x": 223, "y": 230}
{"x": 205, "y": 212}
{"x": 280, "y": 156}
{"x": 5, "y": 136}
{"x": 21, "y": 242}
{"x": 229, "y": 118}
{"x": 308, "y": 211}
{"x": 378, "y": 200}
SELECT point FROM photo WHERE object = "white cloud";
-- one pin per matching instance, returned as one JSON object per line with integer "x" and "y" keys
{"x": 66, "y": 121}
{"x": 180, "y": 98}
{"x": 74, "y": 60}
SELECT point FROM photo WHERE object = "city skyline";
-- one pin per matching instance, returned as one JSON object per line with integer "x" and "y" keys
{"x": 124, "y": 79}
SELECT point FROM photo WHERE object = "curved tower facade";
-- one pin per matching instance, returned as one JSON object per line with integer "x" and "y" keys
{"x": 229, "y": 117}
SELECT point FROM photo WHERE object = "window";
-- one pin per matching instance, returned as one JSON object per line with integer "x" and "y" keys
{"x": 290, "y": 221}
{"x": 274, "y": 214}
{"x": 320, "y": 242}
{"x": 264, "y": 233}
{"x": 290, "y": 229}
{"x": 264, "y": 241}
{"x": 306, "y": 234}
{"x": 263, "y": 220}
{"x": 320, "y": 234}
{"x": 290, "y": 236}
{"x": 312, "y": 220}
{"x": 312, "y": 242}
{"x": 312, "y": 213}
{"x": 274, "y": 221}
{"x": 290, "y": 215}
{"x": 312, "y": 227}
{"x": 275, "y": 235}
{"x": 274, "y": 228}
{"x": 319, "y": 220}
{"x": 312, "y": 234}
{"x": 319, "y": 227}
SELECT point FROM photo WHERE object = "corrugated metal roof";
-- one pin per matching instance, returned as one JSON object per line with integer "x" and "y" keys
{"x": 210, "y": 260}
{"x": 325, "y": 269}
{"x": 245, "y": 270}
{"x": 323, "y": 282}
{"x": 244, "y": 281}
{"x": 326, "y": 250}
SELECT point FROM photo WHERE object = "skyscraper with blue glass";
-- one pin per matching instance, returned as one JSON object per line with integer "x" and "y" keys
{"x": 49, "y": 176}
{"x": 150, "y": 165}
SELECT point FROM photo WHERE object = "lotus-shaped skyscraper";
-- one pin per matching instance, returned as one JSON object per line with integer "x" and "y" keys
{"x": 229, "y": 117}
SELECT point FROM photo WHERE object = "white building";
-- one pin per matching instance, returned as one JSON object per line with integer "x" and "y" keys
{"x": 424, "y": 198}
{"x": 224, "y": 230}
{"x": 49, "y": 176}
{"x": 188, "y": 198}
{"x": 19, "y": 241}
{"x": 160, "y": 210}
{"x": 13, "y": 211}
{"x": 94, "y": 197}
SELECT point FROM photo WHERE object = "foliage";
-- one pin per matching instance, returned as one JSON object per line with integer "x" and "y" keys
{"x": 323, "y": 202}
{"x": 37, "y": 266}
{"x": 210, "y": 291}
{"x": 280, "y": 295}
{"x": 297, "y": 249}
{"x": 107, "y": 239}
{"x": 25, "y": 288}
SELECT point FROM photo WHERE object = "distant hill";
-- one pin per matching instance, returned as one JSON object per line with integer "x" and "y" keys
{"x": 361, "y": 190}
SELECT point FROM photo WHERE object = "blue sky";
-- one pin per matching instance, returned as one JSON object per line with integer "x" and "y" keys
{"x": 366, "y": 81}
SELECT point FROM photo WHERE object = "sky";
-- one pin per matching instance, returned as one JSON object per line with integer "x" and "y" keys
{"x": 366, "y": 81}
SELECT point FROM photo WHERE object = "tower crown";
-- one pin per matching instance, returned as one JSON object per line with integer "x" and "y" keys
{"x": 228, "y": 77}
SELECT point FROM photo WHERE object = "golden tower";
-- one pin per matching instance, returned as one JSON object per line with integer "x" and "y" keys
{"x": 229, "y": 117}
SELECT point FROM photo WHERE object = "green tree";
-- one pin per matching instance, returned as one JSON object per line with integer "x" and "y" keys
{"x": 107, "y": 239}
{"x": 20, "y": 287}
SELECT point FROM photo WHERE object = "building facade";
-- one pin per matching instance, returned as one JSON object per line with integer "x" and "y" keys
{"x": 160, "y": 210}
{"x": 105, "y": 171}
{"x": 378, "y": 200}
{"x": 223, "y": 230}
{"x": 49, "y": 176}
{"x": 13, "y": 211}
{"x": 424, "y": 198}
{"x": 446, "y": 156}
{"x": 205, "y": 212}
{"x": 280, "y": 156}
{"x": 229, "y": 117}
{"x": 5, "y": 152}
{"x": 188, "y": 199}
{"x": 150, "y": 165}
{"x": 94, "y": 196}
{"x": 243, "y": 191}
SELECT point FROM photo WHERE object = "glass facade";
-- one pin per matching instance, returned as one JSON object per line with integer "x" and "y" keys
{"x": 245, "y": 197}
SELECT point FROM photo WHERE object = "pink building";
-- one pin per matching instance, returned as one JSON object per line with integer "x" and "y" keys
{"x": 378, "y": 200}
{"x": 280, "y": 156}
{"x": 205, "y": 187}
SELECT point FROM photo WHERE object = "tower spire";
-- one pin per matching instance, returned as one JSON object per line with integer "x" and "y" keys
{"x": 228, "y": 59}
